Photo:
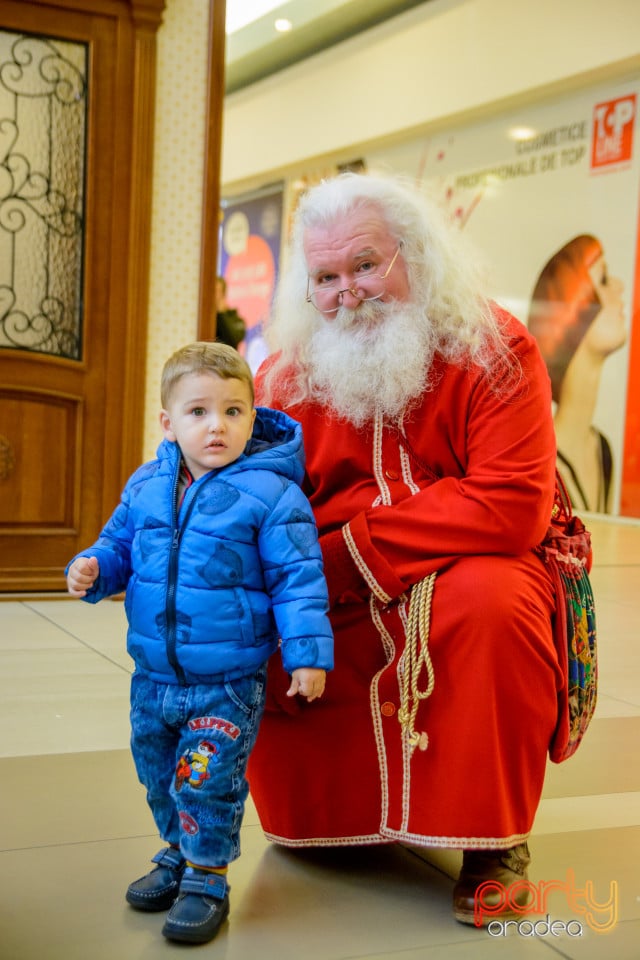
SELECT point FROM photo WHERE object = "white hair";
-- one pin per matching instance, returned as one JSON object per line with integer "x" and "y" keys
{"x": 451, "y": 314}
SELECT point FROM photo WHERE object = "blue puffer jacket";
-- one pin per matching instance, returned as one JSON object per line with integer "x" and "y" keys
{"x": 211, "y": 589}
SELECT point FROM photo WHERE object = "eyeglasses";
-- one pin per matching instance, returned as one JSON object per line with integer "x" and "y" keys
{"x": 328, "y": 297}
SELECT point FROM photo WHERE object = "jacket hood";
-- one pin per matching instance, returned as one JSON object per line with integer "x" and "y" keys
{"x": 275, "y": 445}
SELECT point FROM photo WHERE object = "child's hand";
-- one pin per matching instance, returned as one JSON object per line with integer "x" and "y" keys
{"x": 82, "y": 575}
{"x": 308, "y": 682}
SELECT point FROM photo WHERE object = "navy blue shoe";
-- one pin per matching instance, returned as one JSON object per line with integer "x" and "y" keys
{"x": 201, "y": 908}
{"x": 158, "y": 889}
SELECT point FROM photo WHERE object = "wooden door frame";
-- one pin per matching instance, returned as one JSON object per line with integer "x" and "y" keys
{"x": 211, "y": 185}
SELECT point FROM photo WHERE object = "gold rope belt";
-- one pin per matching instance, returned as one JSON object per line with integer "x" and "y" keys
{"x": 416, "y": 660}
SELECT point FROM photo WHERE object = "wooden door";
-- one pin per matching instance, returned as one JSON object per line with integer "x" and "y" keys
{"x": 75, "y": 201}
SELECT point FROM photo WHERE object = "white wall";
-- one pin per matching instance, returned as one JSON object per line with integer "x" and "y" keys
{"x": 178, "y": 166}
{"x": 436, "y": 64}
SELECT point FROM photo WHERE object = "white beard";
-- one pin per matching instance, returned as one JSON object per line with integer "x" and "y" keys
{"x": 373, "y": 360}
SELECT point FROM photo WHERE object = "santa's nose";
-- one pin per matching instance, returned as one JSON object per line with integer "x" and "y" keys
{"x": 349, "y": 297}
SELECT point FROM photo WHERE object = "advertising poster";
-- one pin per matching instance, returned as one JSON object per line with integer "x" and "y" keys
{"x": 249, "y": 256}
{"x": 550, "y": 196}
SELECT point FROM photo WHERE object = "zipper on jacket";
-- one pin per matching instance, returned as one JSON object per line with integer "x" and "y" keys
{"x": 172, "y": 578}
{"x": 172, "y": 582}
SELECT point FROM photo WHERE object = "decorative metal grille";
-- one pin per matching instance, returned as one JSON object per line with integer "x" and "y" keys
{"x": 42, "y": 168}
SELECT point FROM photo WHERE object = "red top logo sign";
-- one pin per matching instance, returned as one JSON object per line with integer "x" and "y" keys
{"x": 612, "y": 140}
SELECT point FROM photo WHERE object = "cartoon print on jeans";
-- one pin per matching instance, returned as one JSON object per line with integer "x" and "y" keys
{"x": 215, "y": 723}
{"x": 193, "y": 765}
{"x": 301, "y": 531}
{"x": 224, "y": 565}
{"x": 188, "y": 824}
{"x": 216, "y": 499}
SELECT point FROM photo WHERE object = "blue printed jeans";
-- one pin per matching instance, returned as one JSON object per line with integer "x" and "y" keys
{"x": 191, "y": 745}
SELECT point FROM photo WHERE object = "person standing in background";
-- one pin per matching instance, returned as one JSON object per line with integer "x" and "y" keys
{"x": 230, "y": 326}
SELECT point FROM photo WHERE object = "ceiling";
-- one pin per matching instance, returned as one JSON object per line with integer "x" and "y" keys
{"x": 255, "y": 49}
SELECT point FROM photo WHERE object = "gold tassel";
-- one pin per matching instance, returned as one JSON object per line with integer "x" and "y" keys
{"x": 416, "y": 658}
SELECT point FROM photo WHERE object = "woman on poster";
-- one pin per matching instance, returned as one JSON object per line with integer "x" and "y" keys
{"x": 577, "y": 318}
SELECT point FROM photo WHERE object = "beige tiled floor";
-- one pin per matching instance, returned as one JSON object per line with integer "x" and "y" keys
{"x": 74, "y": 827}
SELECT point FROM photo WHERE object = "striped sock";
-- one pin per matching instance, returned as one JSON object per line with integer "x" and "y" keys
{"x": 220, "y": 870}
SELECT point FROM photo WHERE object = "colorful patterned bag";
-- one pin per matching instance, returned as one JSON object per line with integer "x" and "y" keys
{"x": 566, "y": 550}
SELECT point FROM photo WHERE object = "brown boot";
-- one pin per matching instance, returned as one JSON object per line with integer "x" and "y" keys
{"x": 504, "y": 867}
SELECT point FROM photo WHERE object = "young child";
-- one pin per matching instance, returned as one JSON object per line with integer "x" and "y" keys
{"x": 217, "y": 548}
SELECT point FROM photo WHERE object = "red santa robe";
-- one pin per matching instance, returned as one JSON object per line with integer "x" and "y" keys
{"x": 465, "y": 494}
